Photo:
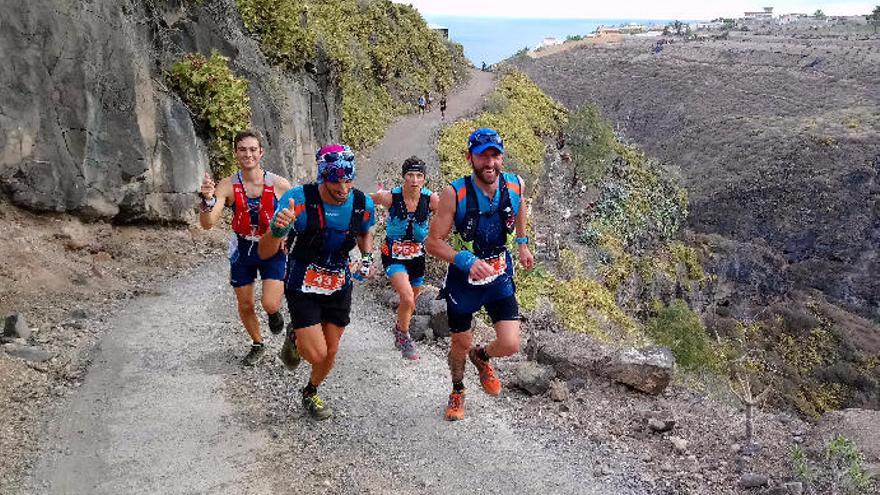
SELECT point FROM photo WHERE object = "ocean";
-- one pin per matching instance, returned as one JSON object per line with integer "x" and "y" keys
{"x": 493, "y": 39}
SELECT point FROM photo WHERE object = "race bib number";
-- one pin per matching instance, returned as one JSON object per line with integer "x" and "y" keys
{"x": 406, "y": 250}
{"x": 499, "y": 266}
{"x": 320, "y": 280}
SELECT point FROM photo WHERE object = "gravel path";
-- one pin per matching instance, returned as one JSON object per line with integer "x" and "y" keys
{"x": 149, "y": 418}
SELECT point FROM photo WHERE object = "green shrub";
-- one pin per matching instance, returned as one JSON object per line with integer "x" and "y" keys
{"x": 591, "y": 140}
{"x": 217, "y": 99}
{"x": 580, "y": 301}
{"x": 676, "y": 326}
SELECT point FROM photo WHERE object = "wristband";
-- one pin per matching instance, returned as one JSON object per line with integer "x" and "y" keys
{"x": 279, "y": 232}
{"x": 206, "y": 204}
{"x": 522, "y": 240}
{"x": 464, "y": 260}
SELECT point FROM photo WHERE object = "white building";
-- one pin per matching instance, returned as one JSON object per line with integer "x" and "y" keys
{"x": 763, "y": 15}
{"x": 549, "y": 41}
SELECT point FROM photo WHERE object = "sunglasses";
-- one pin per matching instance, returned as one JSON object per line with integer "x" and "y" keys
{"x": 335, "y": 156}
{"x": 485, "y": 138}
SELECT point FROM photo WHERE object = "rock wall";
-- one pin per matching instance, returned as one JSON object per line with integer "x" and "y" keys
{"x": 89, "y": 126}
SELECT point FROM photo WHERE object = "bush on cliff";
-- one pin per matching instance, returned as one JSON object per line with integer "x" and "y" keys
{"x": 218, "y": 100}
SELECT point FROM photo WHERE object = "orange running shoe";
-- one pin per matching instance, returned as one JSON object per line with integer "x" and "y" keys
{"x": 488, "y": 379}
{"x": 455, "y": 406}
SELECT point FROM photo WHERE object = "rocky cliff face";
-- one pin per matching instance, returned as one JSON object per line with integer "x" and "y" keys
{"x": 88, "y": 125}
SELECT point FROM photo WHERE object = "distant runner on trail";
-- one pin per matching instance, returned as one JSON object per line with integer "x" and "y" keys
{"x": 484, "y": 209}
{"x": 253, "y": 195}
{"x": 328, "y": 217}
{"x": 422, "y": 102}
{"x": 403, "y": 252}
{"x": 442, "y": 107}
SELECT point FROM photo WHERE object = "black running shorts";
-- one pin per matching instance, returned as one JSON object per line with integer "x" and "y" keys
{"x": 311, "y": 309}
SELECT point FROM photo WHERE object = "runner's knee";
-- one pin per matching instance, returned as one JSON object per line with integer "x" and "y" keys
{"x": 407, "y": 300}
{"x": 271, "y": 305}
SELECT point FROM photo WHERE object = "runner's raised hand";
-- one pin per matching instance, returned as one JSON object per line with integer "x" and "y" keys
{"x": 208, "y": 186}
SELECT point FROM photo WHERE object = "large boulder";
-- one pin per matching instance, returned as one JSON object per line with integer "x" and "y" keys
{"x": 649, "y": 370}
{"x": 15, "y": 327}
{"x": 576, "y": 355}
{"x": 87, "y": 124}
{"x": 534, "y": 378}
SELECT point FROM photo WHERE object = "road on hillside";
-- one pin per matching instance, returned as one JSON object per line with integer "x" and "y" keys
{"x": 166, "y": 408}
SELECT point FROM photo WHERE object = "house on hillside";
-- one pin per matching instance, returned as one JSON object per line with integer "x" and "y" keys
{"x": 441, "y": 30}
{"x": 549, "y": 41}
{"x": 601, "y": 31}
{"x": 791, "y": 18}
{"x": 764, "y": 15}
{"x": 632, "y": 28}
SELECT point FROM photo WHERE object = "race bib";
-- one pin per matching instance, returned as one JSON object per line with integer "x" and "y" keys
{"x": 320, "y": 280}
{"x": 499, "y": 266}
{"x": 406, "y": 250}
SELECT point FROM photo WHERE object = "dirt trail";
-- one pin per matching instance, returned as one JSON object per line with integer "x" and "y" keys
{"x": 416, "y": 134}
{"x": 166, "y": 408}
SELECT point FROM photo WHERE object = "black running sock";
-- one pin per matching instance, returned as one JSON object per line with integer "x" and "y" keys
{"x": 481, "y": 353}
{"x": 457, "y": 386}
{"x": 274, "y": 317}
{"x": 309, "y": 390}
{"x": 257, "y": 344}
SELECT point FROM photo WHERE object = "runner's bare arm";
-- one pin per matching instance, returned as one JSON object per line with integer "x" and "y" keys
{"x": 269, "y": 243}
{"x": 522, "y": 219}
{"x": 437, "y": 245}
{"x": 435, "y": 201}
{"x": 282, "y": 185}
{"x": 441, "y": 225}
{"x": 222, "y": 192}
{"x": 382, "y": 197}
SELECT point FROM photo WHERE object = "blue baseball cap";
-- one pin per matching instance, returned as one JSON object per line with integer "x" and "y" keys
{"x": 483, "y": 139}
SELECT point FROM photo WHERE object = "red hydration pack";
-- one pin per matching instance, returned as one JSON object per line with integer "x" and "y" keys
{"x": 241, "y": 220}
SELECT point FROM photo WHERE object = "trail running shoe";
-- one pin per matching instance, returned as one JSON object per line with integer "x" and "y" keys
{"x": 488, "y": 379}
{"x": 276, "y": 323}
{"x": 408, "y": 349}
{"x": 314, "y": 405}
{"x": 289, "y": 354}
{"x": 455, "y": 406}
{"x": 255, "y": 355}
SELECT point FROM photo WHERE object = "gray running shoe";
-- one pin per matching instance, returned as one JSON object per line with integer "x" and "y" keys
{"x": 255, "y": 355}
{"x": 408, "y": 349}
{"x": 315, "y": 406}
{"x": 276, "y": 323}
{"x": 289, "y": 354}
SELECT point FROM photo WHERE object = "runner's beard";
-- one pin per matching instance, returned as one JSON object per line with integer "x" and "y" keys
{"x": 488, "y": 175}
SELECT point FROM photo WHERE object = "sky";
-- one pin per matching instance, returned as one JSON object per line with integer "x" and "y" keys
{"x": 636, "y": 9}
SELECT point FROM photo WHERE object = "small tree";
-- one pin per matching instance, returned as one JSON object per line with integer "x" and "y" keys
{"x": 819, "y": 14}
{"x": 741, "y": 387}
{"x": 677, "y": 26}
{"x": 874, "y": 18}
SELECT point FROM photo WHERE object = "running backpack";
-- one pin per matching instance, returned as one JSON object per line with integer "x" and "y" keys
{"x": 309, "y": 244}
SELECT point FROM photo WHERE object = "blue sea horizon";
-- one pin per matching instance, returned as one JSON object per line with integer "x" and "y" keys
{"x": 492, "y": 39}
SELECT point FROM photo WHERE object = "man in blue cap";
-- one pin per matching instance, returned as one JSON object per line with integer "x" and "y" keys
{"x": 329, "y": 218}
{"x": 483, "y": 211}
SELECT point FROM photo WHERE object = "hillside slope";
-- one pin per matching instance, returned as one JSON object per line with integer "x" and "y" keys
{"x": 778, "y": 140}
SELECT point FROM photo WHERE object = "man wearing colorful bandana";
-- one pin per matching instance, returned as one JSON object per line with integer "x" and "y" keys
{"x": 485, "y": 209}
{"x": 328, "y": 219}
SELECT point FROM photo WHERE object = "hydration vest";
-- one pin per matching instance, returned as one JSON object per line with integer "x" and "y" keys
{"x": 399, "y": 211}
{"x": 466, "y": 229}
{"x": 241, "y": 219}
{"x": 309, "y": 244}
